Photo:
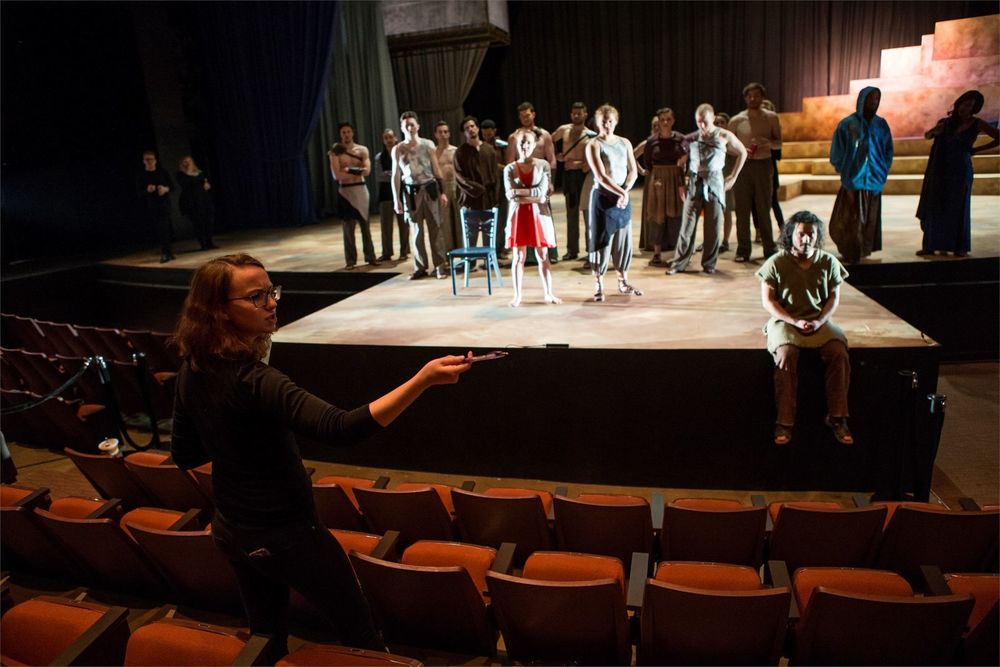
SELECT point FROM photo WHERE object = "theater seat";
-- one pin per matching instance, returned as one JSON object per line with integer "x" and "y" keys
{"x": 713, "y": 530}
{"x": 50, "y": 630}
{"x": 577, "y": 616}
{"x": 173, "y": 641}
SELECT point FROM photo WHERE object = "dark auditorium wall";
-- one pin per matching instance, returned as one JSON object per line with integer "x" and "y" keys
{"x": 75, "y": 120}
{"x": 644, "y": 55}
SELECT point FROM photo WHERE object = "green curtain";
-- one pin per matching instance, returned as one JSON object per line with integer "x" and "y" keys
{"x": 360, "y": 90}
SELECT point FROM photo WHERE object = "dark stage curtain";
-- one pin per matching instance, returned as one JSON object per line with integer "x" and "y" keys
{"x": 265, "y": 67}
{"x": 360, "y": 90}
{"x": 644, "y": 55}
{"x": 434, "y": 82}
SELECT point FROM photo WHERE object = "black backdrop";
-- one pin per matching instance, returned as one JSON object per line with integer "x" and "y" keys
{"x": 644, "y": 55}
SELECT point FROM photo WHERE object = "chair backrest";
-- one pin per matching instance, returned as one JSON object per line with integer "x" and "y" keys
{"x": 568, "y": 566}
{"x": 110, "y": 478}
{"x": 64, "y": 338}
{"x": 433, "y": 607}
{"x": 353, "y": 540}
{"x": 168, "y": 485}
{"x": 479, "y": 222}
{"x": 336, "y": 502}
{"x": 328, "y": 655}
{"x": 109, "y": 343}
{"x": 476, "y": 559}
{"x": 954, "y": 541}
{"x": 417, "y": 515}
{"x": 841, "y": 537}
{"x": 493, "y": 520}
{"x": 107, "y": 551}
{"x": 559, "y": 622}
{"x": 443, "y": 490}
{"x": 982, "y": 644}
{"x": 40, "y": 374}
{"x": 985, "y": 588}
{"x": 709, "y": 576}
{"x": 24, "y": 544}
{"x": 28, "y": 334}
{"x": 59, "y": 631}
{"x": 854, "y": 629}
{"x": 848, "y": 580}
{"x": 613, "y": 527}
{"x": 193, "y": 565}
{"x": 154, "y": 346}
{"x": 694, "y": 626}
{"x": 726, "y": 535}
{"x": 174, "y": 641}
{"x": 774, "y": 509}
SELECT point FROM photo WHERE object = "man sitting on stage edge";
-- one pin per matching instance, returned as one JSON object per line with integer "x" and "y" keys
{"x": 800, "y": 289}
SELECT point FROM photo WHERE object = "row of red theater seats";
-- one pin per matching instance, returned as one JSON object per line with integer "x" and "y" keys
{"x": 41, "y": 374}
{"x": 74, "y": 631}
{"x": 69, "y": 340}
{"x": 568, "y": 607}
{"x": 896, "y": 536}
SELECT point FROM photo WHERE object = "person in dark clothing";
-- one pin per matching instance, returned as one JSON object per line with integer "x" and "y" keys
{"x": 234, "y": 410}
{"x": 196, "y": 201}
{"x": 153, "y": 185}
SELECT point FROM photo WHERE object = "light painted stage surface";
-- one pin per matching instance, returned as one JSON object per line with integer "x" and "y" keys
{"x": 686, "y": 311}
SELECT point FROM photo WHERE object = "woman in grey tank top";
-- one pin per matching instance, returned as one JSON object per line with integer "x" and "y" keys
{"x": 610, "y": 221}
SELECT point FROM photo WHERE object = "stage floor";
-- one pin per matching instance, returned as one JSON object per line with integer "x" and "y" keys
{"x": 685, "y": 311}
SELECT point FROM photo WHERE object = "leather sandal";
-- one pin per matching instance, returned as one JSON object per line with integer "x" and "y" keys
{"x": 625, "y": 288}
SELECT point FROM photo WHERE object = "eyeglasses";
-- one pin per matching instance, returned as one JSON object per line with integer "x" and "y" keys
{"x": 259, "y": 299}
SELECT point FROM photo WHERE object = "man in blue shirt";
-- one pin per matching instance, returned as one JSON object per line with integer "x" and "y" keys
{"x": 862, "y": 154}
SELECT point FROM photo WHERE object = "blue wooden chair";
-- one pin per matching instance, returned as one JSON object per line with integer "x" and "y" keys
{"x": 475, "y": 223}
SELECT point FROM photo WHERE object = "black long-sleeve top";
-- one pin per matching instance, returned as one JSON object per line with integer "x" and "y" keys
{"x": 242, "y": 417}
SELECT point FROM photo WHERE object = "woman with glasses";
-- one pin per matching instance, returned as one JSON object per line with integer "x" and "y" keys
{"x": 242, "y": 415}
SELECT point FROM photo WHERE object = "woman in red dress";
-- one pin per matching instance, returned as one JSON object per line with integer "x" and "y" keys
{"x": 529, "y": 219}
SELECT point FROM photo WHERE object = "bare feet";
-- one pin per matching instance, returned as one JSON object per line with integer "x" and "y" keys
{"x": 514, "y": 303}
{"x": 553, "y": 299}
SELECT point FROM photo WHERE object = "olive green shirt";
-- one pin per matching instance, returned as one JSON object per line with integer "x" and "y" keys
{"x": 802, "y": 293}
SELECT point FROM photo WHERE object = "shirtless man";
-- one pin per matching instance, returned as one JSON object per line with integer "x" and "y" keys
{"x": 416, "y": 191}
{"x": 574, "y": 136}
{"x": 452, "y": 236}
{"x": 544, "y": 150}
{"x": 350, "y": 164}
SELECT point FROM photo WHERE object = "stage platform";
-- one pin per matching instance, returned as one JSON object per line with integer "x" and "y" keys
{"x": 670, "y": 388}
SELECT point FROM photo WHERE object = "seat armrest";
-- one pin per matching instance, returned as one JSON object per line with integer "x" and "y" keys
{"x": 934, "y": 582}
{"x": 37, "y": 498}
{"x": 309, "y": 471}
{"x": 758, "y": 500}
{"x": 253, "y": 652}
{"x": 86, "y": 649}
{"x": 505, "y": 558}
{"x": 969, "y": 505}
{"x": 777, "y": 574}
{"x": 637, "y": 572}
{"x": 861, "y": 500}
{"x": 187, "y": 520}
{"x": 561, "y": 491}
{"x": 109, "y": 506}
{"x": 381, "y": 483}
{"x": 387, "y": 545}
{"x": 656, "y": 509}
{"x": 468, "y": 485}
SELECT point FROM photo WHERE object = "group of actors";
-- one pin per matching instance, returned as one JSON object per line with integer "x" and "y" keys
{"x": 154, "y": 185}
{"x": 727, "y": 163}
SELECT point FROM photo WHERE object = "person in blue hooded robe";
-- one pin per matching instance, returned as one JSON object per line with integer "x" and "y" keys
{"x": 862, "y": 154}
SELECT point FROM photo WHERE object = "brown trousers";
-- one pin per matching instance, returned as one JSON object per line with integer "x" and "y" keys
{"x": 786, "y": 380}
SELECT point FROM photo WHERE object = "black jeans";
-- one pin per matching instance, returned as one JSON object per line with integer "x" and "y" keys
{"x": 268, "y": 563}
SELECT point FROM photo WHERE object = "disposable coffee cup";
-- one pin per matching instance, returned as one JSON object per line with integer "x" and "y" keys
{"x": 110, "y": 447}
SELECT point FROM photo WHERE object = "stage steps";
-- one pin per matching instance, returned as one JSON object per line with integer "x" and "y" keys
{"x": 918, "y": 83}
{"x": 806, "y": 169}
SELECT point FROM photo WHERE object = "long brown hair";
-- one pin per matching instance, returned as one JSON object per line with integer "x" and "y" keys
{"x": 202, "y": 331}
